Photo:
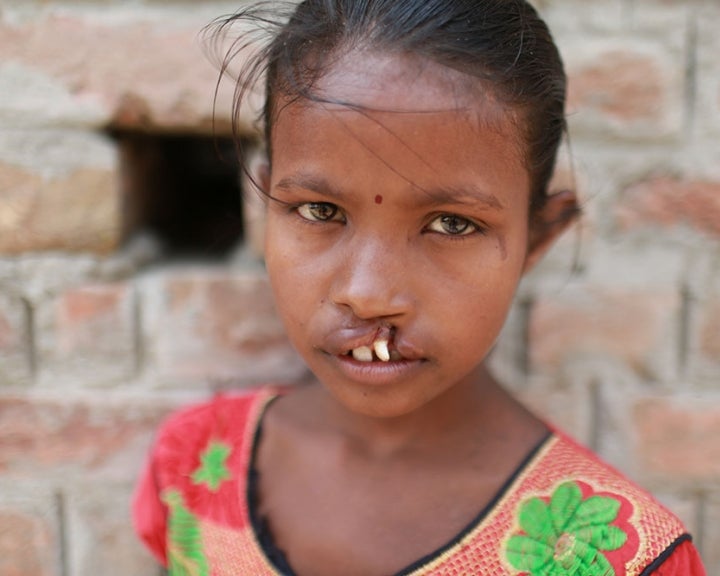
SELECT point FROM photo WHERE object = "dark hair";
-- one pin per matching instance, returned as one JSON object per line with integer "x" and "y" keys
{"x": 502, "y": 43}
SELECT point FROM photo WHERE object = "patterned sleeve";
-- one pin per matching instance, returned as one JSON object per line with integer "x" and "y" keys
{"x": 188, "y": 476}
{"x": 149, "y": 509}
{"x": 682, "y": 559}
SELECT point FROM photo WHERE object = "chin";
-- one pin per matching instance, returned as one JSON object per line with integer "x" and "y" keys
{"x": 380, "y": 404}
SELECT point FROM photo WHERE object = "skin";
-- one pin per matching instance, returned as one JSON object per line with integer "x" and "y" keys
{"x": 409, "y": 218}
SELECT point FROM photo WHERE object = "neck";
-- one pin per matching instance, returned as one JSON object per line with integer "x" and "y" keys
{"x": 469, "y": 405}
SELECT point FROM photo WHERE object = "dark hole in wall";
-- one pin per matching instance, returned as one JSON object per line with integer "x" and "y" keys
{"x": 184, "y": 191}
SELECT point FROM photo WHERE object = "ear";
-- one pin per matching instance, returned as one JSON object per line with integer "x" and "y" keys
{"x": 550, "y": 221}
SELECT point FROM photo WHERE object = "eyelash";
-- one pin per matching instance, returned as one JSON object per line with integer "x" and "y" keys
{"x": 470, "y": 229}
{"x": 298, "y": 209}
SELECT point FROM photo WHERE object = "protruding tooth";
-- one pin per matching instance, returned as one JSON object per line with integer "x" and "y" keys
{"x": 381, "y": 349}
{"x": 363, "y": 354}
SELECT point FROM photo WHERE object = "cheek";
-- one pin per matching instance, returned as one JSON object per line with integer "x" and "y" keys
{"x": 474, "y": 306}
{"x": 278, "y": 263}
{"x": 295, "y": 276}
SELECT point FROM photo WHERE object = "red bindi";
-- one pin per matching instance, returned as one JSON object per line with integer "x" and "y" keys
{"x": 378, "y": 199}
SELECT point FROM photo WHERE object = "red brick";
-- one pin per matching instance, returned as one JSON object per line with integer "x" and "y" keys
{"x": 678, "y": 439}
{"x": 668, "y": 202}
{"x": 620, "y": 85}
{"x": 77, "y": 213}
{"x": 41, "y": 437}
{"x": 88, "y": 334}
{"x": 89, "y": 308}
{"x": 633, "y": 326}
{"x": 29, "y": 536}
{"x": 710, "y": 331}
{"x": 145, "y": 74}
{"x": 220, "y": 326}
{"x": 26, "y": 545}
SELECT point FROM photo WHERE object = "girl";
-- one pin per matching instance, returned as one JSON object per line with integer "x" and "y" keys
{"x": 410, "y": 145}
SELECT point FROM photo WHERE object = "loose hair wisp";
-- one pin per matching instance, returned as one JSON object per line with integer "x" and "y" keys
{"x": 503, "y": 44}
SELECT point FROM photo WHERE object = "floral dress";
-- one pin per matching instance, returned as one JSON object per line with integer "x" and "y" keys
{"x": 563, "y": 512}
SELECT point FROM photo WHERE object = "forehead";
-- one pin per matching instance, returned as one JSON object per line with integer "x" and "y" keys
{"x": 377, "y": 81}
{"x": 406, "y": 115}
{"x": 400, "y": 81}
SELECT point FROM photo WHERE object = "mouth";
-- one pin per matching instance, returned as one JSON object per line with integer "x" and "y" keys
{"x": 376, "y": 358}
{"x": 379, "y": 351}
{"x": 369, "y": 349}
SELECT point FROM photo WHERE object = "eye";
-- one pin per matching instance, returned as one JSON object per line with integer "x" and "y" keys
{"x": 319, "y": 212}
{"x": 453, "y": 225}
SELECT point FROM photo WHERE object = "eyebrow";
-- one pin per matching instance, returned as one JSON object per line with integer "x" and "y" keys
{"x": 312, "y": 183}
{"x": 470, "y": 195}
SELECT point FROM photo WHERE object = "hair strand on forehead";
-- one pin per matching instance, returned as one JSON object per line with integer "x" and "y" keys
{"x": 501, "y": 44}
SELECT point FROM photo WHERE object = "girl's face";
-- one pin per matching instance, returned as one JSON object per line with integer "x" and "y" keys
{"x": 408, "y": 216}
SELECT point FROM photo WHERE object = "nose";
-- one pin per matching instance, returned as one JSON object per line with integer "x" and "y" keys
{"x": 373, "y": 279}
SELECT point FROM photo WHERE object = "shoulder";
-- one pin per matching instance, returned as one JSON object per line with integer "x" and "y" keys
{"x": 583, "y": 502}
{"x": 227, "y": 422}
{"x": 222, "y": 414}
{"x": 197, "y": 470}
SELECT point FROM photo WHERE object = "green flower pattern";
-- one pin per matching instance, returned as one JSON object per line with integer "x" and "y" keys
{"x": 185, "y": 550}
{"x": 186, "y": 556}
{"x": 567, "y": 535}
{"x": 213, "y": 470}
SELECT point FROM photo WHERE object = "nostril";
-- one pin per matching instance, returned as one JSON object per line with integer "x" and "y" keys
{"x": 370, "y": 281}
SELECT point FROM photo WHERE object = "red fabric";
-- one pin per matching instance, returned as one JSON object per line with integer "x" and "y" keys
{"x": 230, "y": 546}
{"x": 149, "y": 514}
{"x": 175, "y": 455}
{"x": 684, "y": 561}
{"x": 181, "y": 444}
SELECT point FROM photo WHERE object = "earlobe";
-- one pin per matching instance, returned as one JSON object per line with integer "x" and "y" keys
{"x": 556, "y": 215}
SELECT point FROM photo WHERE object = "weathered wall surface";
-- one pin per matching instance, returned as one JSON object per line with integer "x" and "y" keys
{"x": 99, "y": 341}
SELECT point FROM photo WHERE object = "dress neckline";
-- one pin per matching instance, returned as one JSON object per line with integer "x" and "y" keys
{"x": 276, "y": 557}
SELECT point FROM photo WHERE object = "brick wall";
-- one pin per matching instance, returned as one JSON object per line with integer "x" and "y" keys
{"x": 99, "y": 338}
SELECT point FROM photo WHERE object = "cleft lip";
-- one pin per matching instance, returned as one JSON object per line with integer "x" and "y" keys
{"x": 346, "y": 339}
{"x": 378, "y": 349}
{"x": 397, "y": 351}
{"x": 343, "y": 342}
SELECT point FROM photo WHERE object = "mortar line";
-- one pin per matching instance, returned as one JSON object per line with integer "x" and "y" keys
{"x": 63, "y": 537}
{"x": 629, "y": 8}
{"x": 30, "y": 337}
{"x": 684, "y": 330}
{"x": 691, "y": 55}
{"x": 138, "y": 339}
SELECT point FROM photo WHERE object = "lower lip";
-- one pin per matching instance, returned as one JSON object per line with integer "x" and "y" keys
{"x": 376, "y": 373}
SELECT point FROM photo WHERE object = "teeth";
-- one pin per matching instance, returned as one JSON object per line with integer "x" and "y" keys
{"x": 381, "y": 349}
{"x": 363, "y": 354}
